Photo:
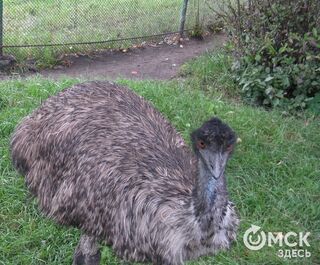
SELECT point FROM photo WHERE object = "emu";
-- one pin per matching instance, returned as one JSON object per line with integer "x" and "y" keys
{"x": 101, "y": 158}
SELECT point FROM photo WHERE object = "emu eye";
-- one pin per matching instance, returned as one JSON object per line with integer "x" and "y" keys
{"x": 201, "y": 144}
{"x": 229, "y": 148}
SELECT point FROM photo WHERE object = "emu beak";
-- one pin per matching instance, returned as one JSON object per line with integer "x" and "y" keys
{"x": 216, "y": 163}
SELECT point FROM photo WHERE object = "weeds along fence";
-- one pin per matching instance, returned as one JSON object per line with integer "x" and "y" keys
{"x": 43, "y": 28}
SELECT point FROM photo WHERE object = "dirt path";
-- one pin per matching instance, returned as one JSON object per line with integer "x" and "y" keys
{"x": 158, "y": 62}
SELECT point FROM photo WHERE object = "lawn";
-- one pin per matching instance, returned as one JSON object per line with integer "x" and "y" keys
{"x": 46, "y": 22}
{"x": 273, "y": 177}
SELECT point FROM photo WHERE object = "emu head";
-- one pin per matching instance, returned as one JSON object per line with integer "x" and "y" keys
{"x": 213, "y": 144}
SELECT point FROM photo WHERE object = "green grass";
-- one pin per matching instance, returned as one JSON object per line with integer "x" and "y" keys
{"x": 52, "y": 21}
{"x": 211, "y": 72}
{"x": 74, "y": 21}
{"x": 273, "y": 177}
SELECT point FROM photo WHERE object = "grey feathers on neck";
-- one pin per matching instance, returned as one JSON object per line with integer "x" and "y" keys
{"x": 209, "y": 192}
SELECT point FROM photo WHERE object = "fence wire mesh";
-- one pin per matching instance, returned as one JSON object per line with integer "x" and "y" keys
{"x": 69, "y": 23}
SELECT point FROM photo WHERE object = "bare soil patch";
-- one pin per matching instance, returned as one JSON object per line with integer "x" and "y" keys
{"x": 161, "y": 61}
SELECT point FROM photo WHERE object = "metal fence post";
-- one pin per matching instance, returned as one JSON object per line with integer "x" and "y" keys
{"x": 1, "y": 27}
{"x": 183, "y": 17}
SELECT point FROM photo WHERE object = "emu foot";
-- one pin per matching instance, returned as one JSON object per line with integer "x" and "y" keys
{"x": 87, "y": 252}
{"x": 80, "y": 259}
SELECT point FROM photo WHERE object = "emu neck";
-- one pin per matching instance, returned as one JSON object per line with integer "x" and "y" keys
{"x": 210, "y": 193}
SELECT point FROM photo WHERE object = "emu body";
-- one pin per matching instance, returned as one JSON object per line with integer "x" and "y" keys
{"x": 101, "y": 158}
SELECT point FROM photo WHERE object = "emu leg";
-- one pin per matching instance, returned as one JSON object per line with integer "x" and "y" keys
{"x": 158, "y": 260}
{"x": 87, "y": 251}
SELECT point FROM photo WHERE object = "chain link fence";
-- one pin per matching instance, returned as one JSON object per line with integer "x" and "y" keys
{"x": 41, "y": 28}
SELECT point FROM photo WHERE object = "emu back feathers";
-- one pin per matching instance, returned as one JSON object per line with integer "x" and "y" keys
{"x": 99, "y": 157}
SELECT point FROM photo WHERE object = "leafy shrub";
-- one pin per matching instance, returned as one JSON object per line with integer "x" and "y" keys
{"x": 278, "y": 48}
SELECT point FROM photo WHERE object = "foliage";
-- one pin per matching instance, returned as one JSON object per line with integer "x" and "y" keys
{"x": 278, "y": 46}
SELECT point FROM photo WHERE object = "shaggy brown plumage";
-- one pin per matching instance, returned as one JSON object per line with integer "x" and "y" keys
{"x": 101, "y": 158}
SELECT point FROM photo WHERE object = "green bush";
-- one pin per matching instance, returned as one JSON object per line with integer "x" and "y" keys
{"x": 278, "y": 48}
